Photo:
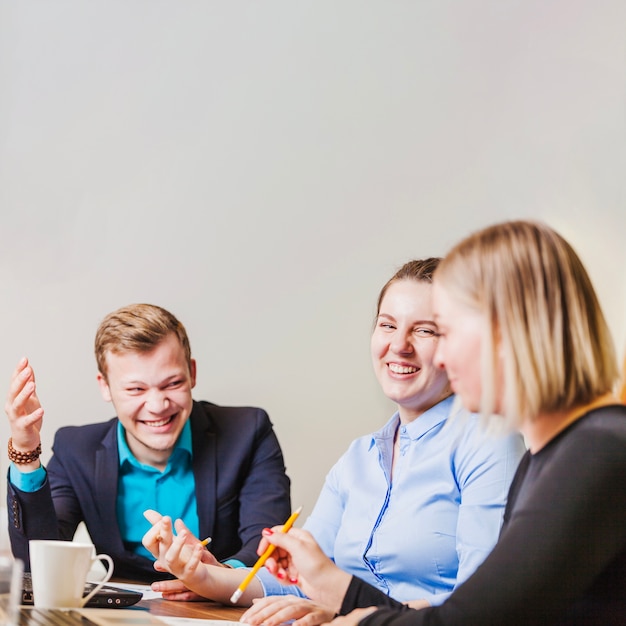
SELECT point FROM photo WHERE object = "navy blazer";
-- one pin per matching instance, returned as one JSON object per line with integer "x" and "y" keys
{"x": 240, "y": 482}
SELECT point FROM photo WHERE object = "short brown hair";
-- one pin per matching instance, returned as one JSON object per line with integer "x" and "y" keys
{"x": 137, "y": 328}
{"x": 541, "y": 307}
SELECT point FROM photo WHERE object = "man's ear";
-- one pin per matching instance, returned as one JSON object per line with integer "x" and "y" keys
{"x": 104, "y": 387}
{"x": 192, "y": 372}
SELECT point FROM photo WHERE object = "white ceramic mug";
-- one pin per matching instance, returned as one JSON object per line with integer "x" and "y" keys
{"x": 59, "y": 572}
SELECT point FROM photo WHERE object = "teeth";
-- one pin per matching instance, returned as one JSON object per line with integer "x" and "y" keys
{"x": 402, "y": 369}
{"x": 159, "y": 423}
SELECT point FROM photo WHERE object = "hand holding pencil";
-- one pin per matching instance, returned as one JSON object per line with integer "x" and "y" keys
{"x": 296, "y": 558}
{"x": 261, "y": 560}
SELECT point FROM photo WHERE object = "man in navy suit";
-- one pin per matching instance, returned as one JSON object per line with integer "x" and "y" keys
{"x": 219, "y": 469}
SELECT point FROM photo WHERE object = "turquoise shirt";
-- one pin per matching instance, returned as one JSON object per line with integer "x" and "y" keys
{"x": 140, "y": 487}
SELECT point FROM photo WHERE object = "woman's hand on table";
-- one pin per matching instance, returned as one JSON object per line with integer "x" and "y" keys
{"x": 274, "y": 610}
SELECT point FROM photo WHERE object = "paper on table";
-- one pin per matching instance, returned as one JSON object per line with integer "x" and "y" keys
{"x": 132, "y": 617}
{"x": 148, "y": 594}
{"x": 119, "y": 617}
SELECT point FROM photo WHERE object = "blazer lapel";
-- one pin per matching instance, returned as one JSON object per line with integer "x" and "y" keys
{"x": 204, "y": 468}
{"x": 107, "y": 473}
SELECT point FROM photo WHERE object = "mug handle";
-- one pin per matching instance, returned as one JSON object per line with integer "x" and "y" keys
{"x": 107, "y": 577}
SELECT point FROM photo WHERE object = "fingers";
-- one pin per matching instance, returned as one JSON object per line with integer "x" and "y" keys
{"x": 180, "y": 527}
{"x": 298, "y": 559}
{"x": 181, "y": 559}
{"x": 183, "y": 596}
{"x": 277, "y": 533}
{"x": 22, "y": 405}
{"x": 289, "y": 545}
{"x": 175, "y": 590}
{"x": 169, "y": 586}
{"x": 190, "y": 539}
{"x": 274, "y": 610}
{"x": 208, "y": 559}
{"x": 263, "y": 544}
{"x": 22, "y": 377}
{"x": 280, "y": 562}
{"x": 152, "y": 516}
{"x": 19, "y": 369}
{"x": 159, "y": 537}
{"x": 179, "y": 554}
{"x": 280, "y": 539}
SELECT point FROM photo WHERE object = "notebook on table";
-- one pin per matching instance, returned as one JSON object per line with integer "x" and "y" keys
{"x": 107, "y": 597}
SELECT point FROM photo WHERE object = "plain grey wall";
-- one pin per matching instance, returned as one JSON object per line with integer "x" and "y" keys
{"x": 261, "y": 168}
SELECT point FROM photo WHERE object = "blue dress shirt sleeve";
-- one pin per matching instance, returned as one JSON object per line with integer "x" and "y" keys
{"x": 27, "y": 481}
{"x": 273, "y": 587}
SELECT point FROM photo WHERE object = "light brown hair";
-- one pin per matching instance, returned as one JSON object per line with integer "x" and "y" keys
{"x": 137, "y": 328}
{"x": 421, "y": 270}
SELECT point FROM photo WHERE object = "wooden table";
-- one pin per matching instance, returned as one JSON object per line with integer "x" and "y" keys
{"x": 144, "y": 613}
{"x": 201, "y": 610}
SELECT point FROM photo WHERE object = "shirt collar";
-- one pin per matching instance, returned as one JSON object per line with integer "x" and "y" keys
{"x": 183, "y": 445}
{"x": 418, "y": 427}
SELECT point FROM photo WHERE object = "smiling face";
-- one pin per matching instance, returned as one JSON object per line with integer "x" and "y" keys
{"x": 461, "y": 332}
{"x": 151, "y": 393}
{"x": 403, "y": 345}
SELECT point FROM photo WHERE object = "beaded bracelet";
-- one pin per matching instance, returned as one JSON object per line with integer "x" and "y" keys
{"x": 23, "y": 457}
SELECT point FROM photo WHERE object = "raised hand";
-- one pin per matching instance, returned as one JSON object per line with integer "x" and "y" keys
{"x": 24, "y": 409}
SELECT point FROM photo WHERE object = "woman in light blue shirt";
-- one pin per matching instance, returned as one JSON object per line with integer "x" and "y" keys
{"x": 412, "y": 509}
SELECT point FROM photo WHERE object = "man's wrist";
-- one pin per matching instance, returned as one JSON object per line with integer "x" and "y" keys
{"x": 23, "y": 457}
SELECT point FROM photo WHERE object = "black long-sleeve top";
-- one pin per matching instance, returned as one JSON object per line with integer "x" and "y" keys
{"x": 561, "y": 555}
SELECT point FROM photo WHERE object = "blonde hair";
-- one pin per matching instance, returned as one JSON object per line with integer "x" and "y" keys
{"x": 137, "y": 328}
{"x": 543, "y": 319}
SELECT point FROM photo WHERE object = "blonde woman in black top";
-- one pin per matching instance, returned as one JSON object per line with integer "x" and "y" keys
{"x": 517, "y": 295}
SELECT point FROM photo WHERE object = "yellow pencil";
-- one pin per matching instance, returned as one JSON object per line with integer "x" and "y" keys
{"x": 257, "y": 566}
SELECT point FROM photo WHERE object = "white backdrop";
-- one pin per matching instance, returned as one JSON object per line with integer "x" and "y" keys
{"x": 261, "y": 168}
